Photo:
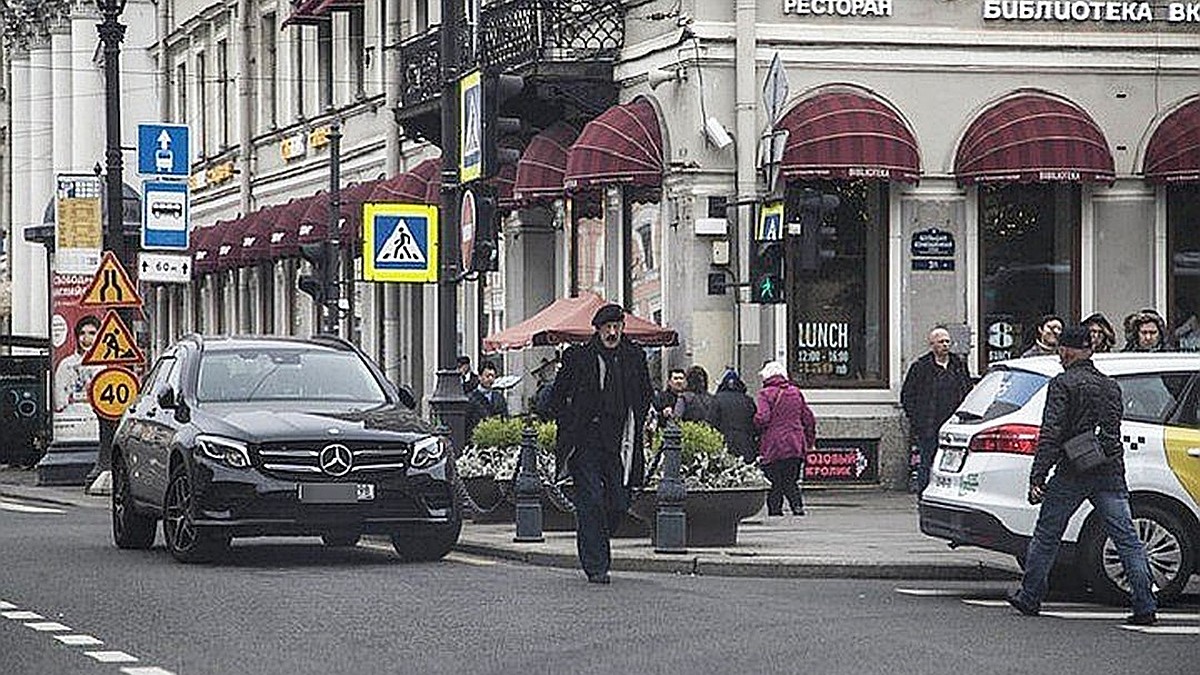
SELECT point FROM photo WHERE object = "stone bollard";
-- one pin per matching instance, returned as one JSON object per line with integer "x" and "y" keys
{"x": 670, "y": 531}
{"x": 529, "y": 490}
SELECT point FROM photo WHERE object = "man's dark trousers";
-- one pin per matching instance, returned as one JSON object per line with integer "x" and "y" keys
{"x": 928, "y": 446}
{"x": 601, "y": 500}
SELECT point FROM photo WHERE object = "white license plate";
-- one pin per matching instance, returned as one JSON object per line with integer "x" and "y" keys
{"x": 335, "y": 493}
{"x": 952, "y": 460}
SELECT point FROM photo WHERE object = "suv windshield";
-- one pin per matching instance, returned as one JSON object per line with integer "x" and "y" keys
{"x": 1000, "y": 392}
{"x": 273, "y": 374}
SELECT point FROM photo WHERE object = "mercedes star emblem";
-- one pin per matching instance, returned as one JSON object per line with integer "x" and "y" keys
{"x": 336, "y": 459}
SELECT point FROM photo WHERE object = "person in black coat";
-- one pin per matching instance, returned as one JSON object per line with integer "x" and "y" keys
{"x": 733, "y": 416}
{"x": 601, "y": 397}
{"x": 934, "y": 386}
{"x": 483, "y": 401}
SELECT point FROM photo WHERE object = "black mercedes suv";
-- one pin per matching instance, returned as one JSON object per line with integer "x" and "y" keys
{"x": 263, "y": 436}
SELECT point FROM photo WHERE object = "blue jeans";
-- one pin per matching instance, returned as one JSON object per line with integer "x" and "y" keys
{"x": 928, "y": 446}
{"x": 1110, "y": 498}
{"x": 601, "y": 500}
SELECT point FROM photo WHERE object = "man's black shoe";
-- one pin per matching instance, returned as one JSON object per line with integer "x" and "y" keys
{"x": 599, "y": 578}
{"x": 1014, "y": 599}
{"x": 1141, "y": 619}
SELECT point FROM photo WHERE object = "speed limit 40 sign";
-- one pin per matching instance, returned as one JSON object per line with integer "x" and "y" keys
{"x": 112, "y": 391}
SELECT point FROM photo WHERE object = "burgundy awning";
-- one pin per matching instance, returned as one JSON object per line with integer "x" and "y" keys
{"x": 570, "y": 320}
{"x": 1173, "y": 155}
{"x": 502, "y": 183}
{"x": 848, "y": 135}
{"x": 622, "y": 145}
{"x": 304, "y": 12}
{"x": 228, "y": 247}
{"x": 420, "y": 185}
{"x": 351, "y": 210}
{"x": 202, "y": 261}
{"x": 285, "y": 224}
{"x": 254, "y": 245}
{"x": 543, "y": 165}
{"x": 1034, "y": 137}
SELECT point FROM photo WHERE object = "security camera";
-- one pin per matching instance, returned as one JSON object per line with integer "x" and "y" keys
{"x": 716, "y": 134}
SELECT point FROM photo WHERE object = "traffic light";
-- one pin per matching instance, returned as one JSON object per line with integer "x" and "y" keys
{"x": 717, "y": 283}
{"x": 766, "y": 272}
{"x": 817, "y": 239}
{"x": 321, "y": 283}
{"x": 486, "y": 257}
{"x": 498, "y": 90}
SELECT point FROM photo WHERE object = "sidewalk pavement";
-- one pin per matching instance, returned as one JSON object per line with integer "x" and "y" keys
{"x": 847, "y": 534}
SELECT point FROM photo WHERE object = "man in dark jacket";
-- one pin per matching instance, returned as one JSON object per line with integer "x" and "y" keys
{"x": 1081, "y": 400}
{"x": 733, "y": 415}
{"x": 483, "y": 401}
{"x": 936, "y": 383}
{"x": 602, "y": 395}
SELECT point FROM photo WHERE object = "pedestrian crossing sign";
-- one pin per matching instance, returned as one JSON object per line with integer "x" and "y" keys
{"x": 400, "y": 243}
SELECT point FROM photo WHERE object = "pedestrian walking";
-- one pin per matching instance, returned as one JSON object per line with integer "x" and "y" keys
{"x": 695, "y": 404}
{"x": 788, "y": 430}
{"x": 1045, "y": 343}
{"x": 1083, "y": 406}
{"x": 934, "y": 386}
{"x": 733, "y": 415}
{"x": 484, "y": 401}
{"x": 602, "y": 393}
{"x": 1101, "y": 331}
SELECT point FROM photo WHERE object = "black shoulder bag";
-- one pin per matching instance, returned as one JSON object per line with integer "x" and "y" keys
{"x": 1084, "y": 452}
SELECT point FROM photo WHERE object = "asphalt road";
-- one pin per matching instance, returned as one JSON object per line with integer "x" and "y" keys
{"x": 293, "y": 606}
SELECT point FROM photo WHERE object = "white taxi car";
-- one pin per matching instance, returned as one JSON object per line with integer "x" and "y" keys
{"x": 980, "y": 476}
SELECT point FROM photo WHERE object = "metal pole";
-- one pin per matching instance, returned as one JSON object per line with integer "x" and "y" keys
{"x": 670, "y": 529}
{"x": 529, "y": 490}
{"x": 333, "y": 241}
{"x": 112, "y": 33}
{"x": 448, "y": 401}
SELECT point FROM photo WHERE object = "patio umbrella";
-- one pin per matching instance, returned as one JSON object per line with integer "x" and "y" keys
{"x": 570, "y": 320}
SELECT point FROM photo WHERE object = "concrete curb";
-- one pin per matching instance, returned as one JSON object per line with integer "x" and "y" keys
{"x": 52, "y": 496}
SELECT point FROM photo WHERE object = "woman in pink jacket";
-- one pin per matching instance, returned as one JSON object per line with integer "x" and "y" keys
{"x": 788, "y": 429}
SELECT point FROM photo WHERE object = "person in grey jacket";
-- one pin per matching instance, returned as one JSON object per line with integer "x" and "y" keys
{"x": 1081, "y": 400}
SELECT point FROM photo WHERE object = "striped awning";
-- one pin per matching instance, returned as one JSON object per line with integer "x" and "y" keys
{"x": 543, "y": 165}
{"x": 309, "y": 12}
{"x": 1173, "y": 154}
{"x": 420, "y": 185}
{"x": 623, "y": 145}
{"x": 1034, "y": 137}
{"x": 848, "y": 135}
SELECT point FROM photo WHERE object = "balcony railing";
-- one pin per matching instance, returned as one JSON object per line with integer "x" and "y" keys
{"x": 516, "y": 33}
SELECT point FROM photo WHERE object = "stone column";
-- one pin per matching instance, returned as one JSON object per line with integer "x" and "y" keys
{"x": 61, "y": 45}
{"x": 87, "y": 92}
{"x": 41, "y": 173}
{"x": 21, "y": 253}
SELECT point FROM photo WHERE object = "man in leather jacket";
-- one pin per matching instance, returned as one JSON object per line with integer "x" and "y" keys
{"x": 1081, "y": 400}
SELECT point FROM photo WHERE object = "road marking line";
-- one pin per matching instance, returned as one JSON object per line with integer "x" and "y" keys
{"x": 26, "y": 508}
{"x": 47, "y": 626}
{"x": 986, "y": 603}
{"x": 22, "y": 615}
{"x": 112, "y": 657}
{"x": 1165, "y": 630}
{"x": 469, "y": 559}
{"x": 7, "y": 605}
{"x": 78, "y": 640}
{"x": 934, "y": 592}
{"x": 1098, "y": 614}
{"x": 145, "y": 670}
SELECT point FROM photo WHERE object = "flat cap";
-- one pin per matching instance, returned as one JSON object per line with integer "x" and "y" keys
{"x": 1075, "y": 337}
{"x": 608, "y": 314}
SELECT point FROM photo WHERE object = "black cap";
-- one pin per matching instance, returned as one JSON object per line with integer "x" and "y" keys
{"x": 608, "y": 314}
{"x": 1075, "y": 337}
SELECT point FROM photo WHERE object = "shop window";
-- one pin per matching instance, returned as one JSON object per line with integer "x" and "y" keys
{"x": 268, "y": 64}
{"x": 1029, "y": 256}
{"x": 643, "y": 251}
{"x": 587, "y": 244}
{"x": 1183, "y": 239}
{"x": 837, "y": 282}
{"x": 324, "y": 65}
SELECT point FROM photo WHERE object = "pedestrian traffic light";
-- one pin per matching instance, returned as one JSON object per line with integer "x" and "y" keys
{"x": 818, "y": 240}
{"x": 717, "y": 283}
{"x": 321, "y": 282}
{"x": 766, "y": 272}
{"x": 498, "y": 90}
{"x": 486, "y": 257}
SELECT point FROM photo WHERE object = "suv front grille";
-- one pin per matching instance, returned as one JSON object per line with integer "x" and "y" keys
{"x": 300, "y": 460}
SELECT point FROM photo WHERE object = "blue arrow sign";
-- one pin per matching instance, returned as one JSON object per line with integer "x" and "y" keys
{"x": 163, "y": 150}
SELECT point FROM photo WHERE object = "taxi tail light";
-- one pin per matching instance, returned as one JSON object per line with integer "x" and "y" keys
{"x": 1015, "y": 439}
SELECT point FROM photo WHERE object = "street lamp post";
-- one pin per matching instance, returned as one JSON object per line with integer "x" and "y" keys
{"x": 112, "y": 32}
{"x": 333, "y": 242}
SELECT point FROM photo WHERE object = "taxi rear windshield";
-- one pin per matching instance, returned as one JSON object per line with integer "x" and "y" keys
{"x": 999, "y": 393}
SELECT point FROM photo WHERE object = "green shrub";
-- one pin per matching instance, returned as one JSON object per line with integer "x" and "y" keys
{"x": 547, "y": 436}
{"x": 704, "y": 461}
{"x": 497, "y": 432}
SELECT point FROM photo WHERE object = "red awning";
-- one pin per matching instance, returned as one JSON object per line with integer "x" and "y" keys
{"x": 1033, "y": 137}
{"x": 227, "y": 251}
{"x": 285, "y": 226}
{"x": 544, "y": 163}
{"x": 622, "y": 145}
{"x": 420, "y": 185}
{"x": 254, "y": 239}
{"x": 848, "y": 135}
{"x": 202, "y": 261}
{"x": 1173, "y": 155}
{"x": 503, "y": 182}
{"x": 304, "y": 12}
{"x": 570, "y": 320}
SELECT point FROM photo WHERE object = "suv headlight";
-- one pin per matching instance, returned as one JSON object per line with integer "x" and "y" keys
{"x": 428, "y": 452}
{"x": 226, "y": 450}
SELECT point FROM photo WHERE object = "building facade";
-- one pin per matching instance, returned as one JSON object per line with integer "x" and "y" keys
{"x": 971, "y": 163}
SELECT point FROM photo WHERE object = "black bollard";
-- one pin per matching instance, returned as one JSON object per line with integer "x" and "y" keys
{"x": 670, "y": 531}
{"x": 529, "y": 490}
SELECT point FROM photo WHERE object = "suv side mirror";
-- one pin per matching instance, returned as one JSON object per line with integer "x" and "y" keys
{"x": 166, "y": 398}
{"x": 407, "y": 398}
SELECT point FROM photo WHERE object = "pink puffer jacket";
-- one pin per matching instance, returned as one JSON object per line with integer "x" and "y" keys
{"x": 787, "y": 423}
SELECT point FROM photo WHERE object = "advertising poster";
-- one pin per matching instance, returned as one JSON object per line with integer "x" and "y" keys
{"x": 78, "y": 224}
{"x": 73, "y": 329}
{"x": 853, "y": 461}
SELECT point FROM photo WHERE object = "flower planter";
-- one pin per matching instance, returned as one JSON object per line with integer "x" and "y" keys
{"x": 497, "y": 502}
{"x": 712, "y": 514}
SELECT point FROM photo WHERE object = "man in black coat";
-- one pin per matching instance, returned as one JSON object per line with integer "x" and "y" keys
{"x": 483, "y": 401}
{"x": 936, "y": 383}
{"x": 601, "y": 397}
{"x": 1081, "y": 401}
